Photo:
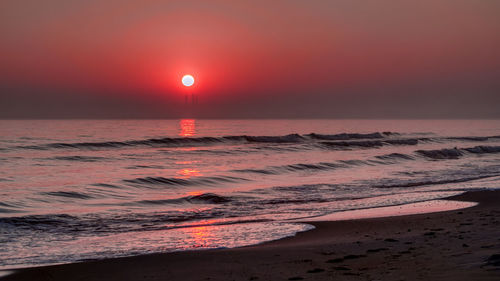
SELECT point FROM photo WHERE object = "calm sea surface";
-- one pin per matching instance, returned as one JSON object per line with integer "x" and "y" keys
{"x": 77, "y": 190}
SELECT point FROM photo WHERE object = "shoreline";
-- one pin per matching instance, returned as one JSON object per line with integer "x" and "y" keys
{"x": 408, "y": 209}
{"x": 448, "y": 245}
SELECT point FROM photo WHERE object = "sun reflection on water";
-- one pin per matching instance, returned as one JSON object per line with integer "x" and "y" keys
{"x": 195, "y": 193}
{"x": 188, "y": 128}
{"x": 188, "y": 173}
{"x": 199, "y": 236}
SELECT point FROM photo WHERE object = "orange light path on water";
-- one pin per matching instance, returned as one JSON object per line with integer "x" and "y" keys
{"x": 188, "y": 128}
{"x": 188, "y": 173}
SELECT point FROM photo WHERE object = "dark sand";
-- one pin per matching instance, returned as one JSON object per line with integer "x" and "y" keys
{"x": 454, "y": 245}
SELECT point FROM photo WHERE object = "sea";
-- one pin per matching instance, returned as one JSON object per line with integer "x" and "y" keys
{"x": 76, "y": 190}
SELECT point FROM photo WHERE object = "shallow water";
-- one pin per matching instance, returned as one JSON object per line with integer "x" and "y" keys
{"x": 424, "y": 207}
{"x": 73, "y": 190}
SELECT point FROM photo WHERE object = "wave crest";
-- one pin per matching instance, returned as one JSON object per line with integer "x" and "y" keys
{"x": 203, "y": 141}
{"x": 455, "y": 153}
{"x": 346, "y": 136}
{"x": 446, "y": 153}
{"x": 155, "y": 181}
{"x": 204, "y": 198}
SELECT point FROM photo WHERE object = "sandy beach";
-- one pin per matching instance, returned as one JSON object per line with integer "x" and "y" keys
{"x": 453, "y": 245}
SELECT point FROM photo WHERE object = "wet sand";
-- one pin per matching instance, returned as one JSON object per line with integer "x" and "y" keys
{"x": 452, "y": 245}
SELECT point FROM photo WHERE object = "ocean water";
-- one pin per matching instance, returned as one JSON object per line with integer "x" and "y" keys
{"x": 84, "y": 189}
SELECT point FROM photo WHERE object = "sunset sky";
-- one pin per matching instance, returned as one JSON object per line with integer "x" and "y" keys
{"x": 250, "y": 59}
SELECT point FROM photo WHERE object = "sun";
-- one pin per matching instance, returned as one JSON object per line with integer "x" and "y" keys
{"x": 187, "y": 80}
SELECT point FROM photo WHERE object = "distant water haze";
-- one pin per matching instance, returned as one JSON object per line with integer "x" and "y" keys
{"x": 85, "y": 189}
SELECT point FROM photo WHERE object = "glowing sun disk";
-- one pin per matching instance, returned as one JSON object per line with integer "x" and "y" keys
{"x": 187, "y": 80}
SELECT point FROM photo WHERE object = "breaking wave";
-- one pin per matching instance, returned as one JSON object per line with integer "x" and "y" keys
{"x": 274, "y": 170}
{"x": 446, "y": 153}
{"x": 394, "y": 156}
{"x": 439, "y": 154}
{"x": 434, "y": 182}
{"x": 292, "y": 138}
{"x": 68, "y": 194}
{"x": 203, "y": 141}
{"x": 345, "y": 136}
{"x": 159, "y": 181}
{"x": 455, "y": 153}
{"x": 205, "y": 198}
{"x": 483, "y": 149}
{"x": 343, "y": 141}
{"x": 372, "y": 143}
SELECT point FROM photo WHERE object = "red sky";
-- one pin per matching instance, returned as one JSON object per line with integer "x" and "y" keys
{"x": 375, "y": 59}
